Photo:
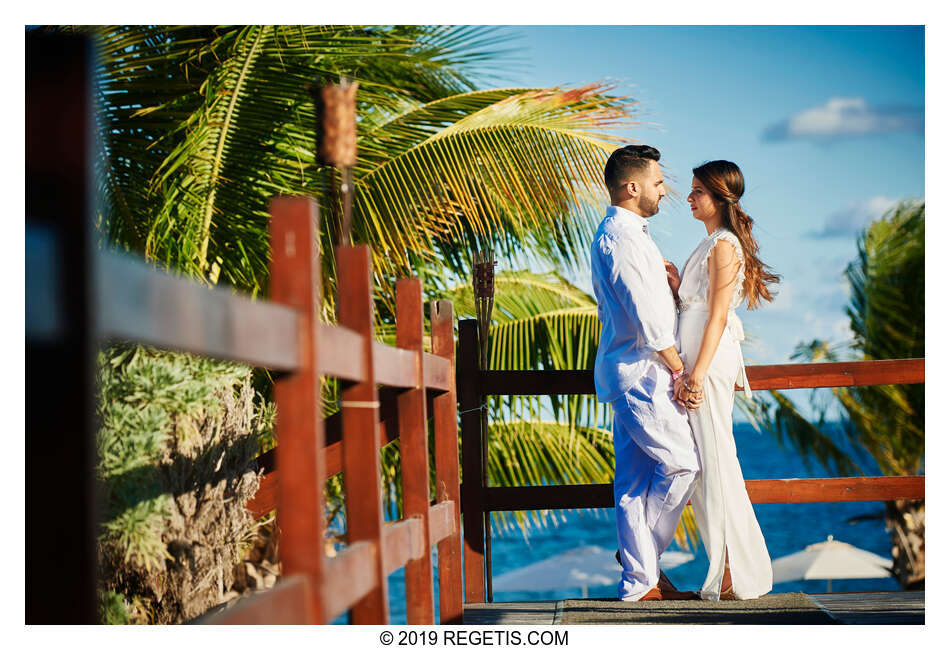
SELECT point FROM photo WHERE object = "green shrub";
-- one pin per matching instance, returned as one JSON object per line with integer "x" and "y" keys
{"x": 176, "y": 465}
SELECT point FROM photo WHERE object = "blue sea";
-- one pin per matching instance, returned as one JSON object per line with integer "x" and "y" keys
{"x": 787, "y": 528}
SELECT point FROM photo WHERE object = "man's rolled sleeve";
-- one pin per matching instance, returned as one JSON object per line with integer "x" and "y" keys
{"x": 634, "y": 273}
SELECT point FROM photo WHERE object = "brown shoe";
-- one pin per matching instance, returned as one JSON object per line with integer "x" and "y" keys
{"x": 653, "y": 594}
{"x": 665, "y": 583}
{"x": 680, "y": 595}
{"x": 657, "y": 594}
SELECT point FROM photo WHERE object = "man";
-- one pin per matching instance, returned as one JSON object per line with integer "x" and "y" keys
{"x": 638, "y": 371}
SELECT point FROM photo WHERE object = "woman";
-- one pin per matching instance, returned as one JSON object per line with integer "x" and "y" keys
{"x": 721, "y": 273}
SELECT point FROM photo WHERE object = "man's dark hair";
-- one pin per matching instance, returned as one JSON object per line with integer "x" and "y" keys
{"x": 626, "y": 160}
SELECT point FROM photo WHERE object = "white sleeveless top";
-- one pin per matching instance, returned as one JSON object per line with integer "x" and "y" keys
{"x": 694, "y": 285}
{"x": 694, "y": 290}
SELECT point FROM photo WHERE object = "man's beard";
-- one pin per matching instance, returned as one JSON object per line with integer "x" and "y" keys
{"x": 647, "y": 207}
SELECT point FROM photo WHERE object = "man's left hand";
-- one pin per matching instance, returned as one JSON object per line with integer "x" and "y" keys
{"x": 672, "y": 277}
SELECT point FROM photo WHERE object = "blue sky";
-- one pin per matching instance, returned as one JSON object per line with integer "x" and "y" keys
{"x": 825, "y": 122}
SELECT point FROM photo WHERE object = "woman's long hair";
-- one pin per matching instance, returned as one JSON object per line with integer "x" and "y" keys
{"x": 724, "y": 180}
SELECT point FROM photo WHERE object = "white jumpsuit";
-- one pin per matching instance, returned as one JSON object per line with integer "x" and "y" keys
{"x": 654, "y": 454}
{"x": 721, "y": 503}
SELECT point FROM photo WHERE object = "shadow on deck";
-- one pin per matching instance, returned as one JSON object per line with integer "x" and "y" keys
{"x": 875, "y": 608}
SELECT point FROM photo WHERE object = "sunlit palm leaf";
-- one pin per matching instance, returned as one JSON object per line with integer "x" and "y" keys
{"x": 546, "y": 453}
{"x": 201, "y": 125}
{"x": 518, "y": 169}
{"x": 887, "y": 318}
{"x": 526, "y": 305}
{"x": 540, "y": 322}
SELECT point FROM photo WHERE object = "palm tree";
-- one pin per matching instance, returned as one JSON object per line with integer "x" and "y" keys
{"x": 886, "y": 422}
{"x": 200, "y": 126}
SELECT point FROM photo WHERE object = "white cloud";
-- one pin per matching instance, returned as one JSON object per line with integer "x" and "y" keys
{"x": 842, "y": 117}
{"x": 848, "y": 221}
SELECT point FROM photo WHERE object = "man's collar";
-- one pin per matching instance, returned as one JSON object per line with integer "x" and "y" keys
{"x": 629, "y": 217}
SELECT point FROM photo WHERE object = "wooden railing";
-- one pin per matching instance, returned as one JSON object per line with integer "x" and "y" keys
{"x": 416, "y": 383}
{"x": 476, "y": 384}
{"x": 137, "y": 303}
{"x": 79, "y": 297}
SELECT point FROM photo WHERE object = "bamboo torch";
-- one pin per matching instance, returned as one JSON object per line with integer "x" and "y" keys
{"x": 336, "y": 139}
{"x": 483, "y": 284}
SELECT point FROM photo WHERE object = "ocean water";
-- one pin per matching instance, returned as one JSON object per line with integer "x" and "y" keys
{"x": 787, "y": 528}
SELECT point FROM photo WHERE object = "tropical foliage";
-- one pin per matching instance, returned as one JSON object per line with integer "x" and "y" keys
{"x": 885, "y": 423}
{"x": 177, "y": 466}
{"x": 540, "y": 321}
{"x": 200, "y": 126}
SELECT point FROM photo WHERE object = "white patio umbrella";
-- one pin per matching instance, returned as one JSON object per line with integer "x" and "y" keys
{"x": 579, "y": 567}
{"x": 830, "y": 560}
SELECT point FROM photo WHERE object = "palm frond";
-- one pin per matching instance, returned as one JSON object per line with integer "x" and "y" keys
{"x": 201, "y": 125}
{"x": 540, "y": 322}
{"x": 537, "y": 452}
{"x": 517, "y": 169}
{"x": 546, "y": 453}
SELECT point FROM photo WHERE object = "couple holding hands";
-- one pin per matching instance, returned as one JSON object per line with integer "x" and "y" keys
{"x": 668, "y": 362}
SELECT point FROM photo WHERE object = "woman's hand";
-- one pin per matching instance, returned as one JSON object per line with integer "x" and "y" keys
{"x": 673, "y": 277}
{"x": 695, "y": 380}
{"x": 690, "y": 399}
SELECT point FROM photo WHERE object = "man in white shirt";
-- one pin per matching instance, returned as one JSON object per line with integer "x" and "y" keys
{"x": 638, "y": 370}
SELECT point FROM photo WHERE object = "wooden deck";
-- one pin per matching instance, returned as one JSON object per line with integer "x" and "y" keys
{"x": 877, "y": 608}
{"x": 539, "y": 612}
{"x": 867, "y": 608}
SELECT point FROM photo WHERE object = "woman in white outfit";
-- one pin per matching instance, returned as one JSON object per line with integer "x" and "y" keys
{"x": 721, "y": 273}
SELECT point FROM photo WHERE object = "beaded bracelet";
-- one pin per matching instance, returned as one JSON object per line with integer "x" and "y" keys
{"x": 690, "y": 390}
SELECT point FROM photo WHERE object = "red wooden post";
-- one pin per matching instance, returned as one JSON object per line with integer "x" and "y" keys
{"x": 295, "y": 281}
{"x": 360, "y": 406}
{"x": 445, "y": 422}
{"x": 473, "y": 506}
{"x": 414, "y": 450}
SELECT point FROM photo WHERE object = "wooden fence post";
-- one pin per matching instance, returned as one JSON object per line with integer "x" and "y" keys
{"x": 470, "y": 401}
{"x": 414, "y": 451}
{"x": 360, "y": 407}
{"x": 445, "y": 422}
{"x": 295, "y": 281}
{"x": 60, "y": 350}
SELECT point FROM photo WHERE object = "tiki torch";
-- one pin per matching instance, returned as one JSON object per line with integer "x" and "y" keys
{"x": 336, "y": 139}
{"x": 483, "y": 284}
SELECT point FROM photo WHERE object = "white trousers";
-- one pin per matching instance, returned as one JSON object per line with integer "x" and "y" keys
{"x": 724, "y": 514}
{"x": 655, "y": 472}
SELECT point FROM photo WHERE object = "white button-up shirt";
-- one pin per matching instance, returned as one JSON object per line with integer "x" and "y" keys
{"x": 635, "y": 306}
